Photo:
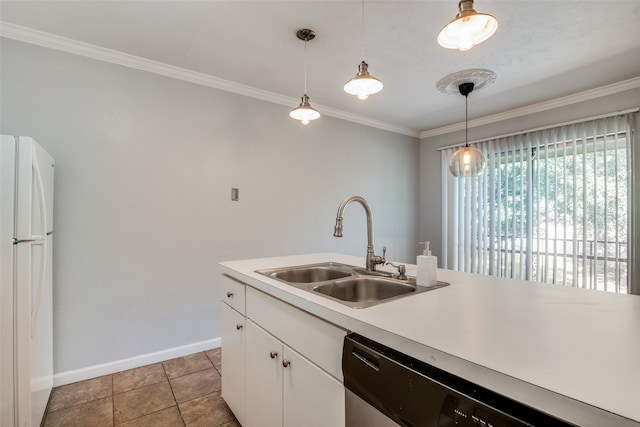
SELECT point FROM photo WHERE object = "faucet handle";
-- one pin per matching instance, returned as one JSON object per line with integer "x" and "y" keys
{"x": 376, "y": 259}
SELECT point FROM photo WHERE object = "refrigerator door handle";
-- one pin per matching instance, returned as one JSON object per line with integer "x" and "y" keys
{"x": 35, "y": 309}
{"x": 16, "y": 241}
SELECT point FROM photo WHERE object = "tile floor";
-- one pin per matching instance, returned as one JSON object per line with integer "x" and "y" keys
{"x": 179, "y": 392}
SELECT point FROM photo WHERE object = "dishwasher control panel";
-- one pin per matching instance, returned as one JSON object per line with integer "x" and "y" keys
{"x": 463, "y": 412}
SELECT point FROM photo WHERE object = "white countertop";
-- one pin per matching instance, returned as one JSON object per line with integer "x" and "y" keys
{"x": 570, "y": 352}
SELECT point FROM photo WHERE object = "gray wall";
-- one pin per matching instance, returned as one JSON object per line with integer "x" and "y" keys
{"x": 144, "y": 170}
{"x": 430, "y": 166}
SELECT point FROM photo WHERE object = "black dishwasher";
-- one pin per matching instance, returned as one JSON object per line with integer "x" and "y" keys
{"x": 413, "y": 393}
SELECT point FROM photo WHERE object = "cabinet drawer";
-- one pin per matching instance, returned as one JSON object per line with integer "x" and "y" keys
{"x": 232, "y": 292}
{"x": 315, "y": 339}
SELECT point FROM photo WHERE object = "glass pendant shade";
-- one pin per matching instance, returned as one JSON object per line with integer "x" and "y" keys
{"x": 466, "y": 162}
{"x": 363, "y": 84}
{"x": 468, "y": 29}
{"x": 304, "y": 112}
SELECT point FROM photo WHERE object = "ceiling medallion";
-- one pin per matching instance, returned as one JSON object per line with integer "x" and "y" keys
{"x": 480, "y": 77}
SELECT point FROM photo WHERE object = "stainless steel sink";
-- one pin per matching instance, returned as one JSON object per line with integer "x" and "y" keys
{"x": 310, "y": 274}
{"x": 347, "y": 284}
{"x": 364, "y": 290}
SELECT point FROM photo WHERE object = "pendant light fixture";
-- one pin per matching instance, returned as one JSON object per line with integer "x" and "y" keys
{"x": 363, "y": 84}
{"x": 305, "y": 112}
{"x": 468, "y": 28}
{"x": 466, "y": 161}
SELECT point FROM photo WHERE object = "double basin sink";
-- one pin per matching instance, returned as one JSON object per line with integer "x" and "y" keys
{"x": 353, "y": 286}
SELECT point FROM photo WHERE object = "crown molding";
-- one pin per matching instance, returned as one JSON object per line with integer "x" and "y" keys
{"x": 587, "y": 95}
{"x": 52, "y": 41}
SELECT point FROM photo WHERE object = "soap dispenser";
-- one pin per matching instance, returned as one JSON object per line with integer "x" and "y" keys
{"x": 427, "y": 265}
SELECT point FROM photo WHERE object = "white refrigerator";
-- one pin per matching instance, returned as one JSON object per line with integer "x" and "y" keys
{"x": 26, "y": 301}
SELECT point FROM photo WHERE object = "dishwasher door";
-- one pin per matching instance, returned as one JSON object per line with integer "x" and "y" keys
{"x": 387, "y": 388}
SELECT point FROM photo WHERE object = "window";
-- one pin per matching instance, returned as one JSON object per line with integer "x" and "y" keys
{"x": 551, "y": 206}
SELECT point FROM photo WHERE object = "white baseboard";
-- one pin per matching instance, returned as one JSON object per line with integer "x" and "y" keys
{"x": 82, "y": 374}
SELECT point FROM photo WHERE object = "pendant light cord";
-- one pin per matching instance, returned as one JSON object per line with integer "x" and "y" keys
{"x": 305, "y": 65}
{"x": 466, "y": 120}
{"x": 362, "y": 41}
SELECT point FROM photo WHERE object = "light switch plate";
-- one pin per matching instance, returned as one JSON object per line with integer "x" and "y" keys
{"x": 235, "y": 194}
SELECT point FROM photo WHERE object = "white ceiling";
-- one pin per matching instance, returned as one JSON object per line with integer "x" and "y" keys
{"x": 541, "y": 51}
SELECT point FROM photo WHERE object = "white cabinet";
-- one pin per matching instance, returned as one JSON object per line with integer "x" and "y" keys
{"x": 232, "y": 309}
{"x": 233, "y": 360}
{"x": 311, "y": 398}
{"x": 259, "y": 333}
{"x": 286, "y": 389}
{"x": 264, "y": 378}
{"x": 314, "y": 338}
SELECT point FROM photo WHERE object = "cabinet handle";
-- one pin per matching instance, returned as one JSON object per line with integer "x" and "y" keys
{"x": 229, "y": 294}
{"x": 238, "y": 326}
{"x": 273, "y": 354}
{"x": 285, "y": 363}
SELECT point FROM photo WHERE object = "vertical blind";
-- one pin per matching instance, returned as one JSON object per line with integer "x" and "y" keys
{"x": 551, "y": 206}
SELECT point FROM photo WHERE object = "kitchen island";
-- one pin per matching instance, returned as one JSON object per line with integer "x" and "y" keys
{"x": 571, "y": 353}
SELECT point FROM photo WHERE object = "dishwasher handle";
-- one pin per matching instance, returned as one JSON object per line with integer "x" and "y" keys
{"x": 370, "y": 359}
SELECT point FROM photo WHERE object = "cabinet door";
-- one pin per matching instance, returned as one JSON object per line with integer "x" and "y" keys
{"x": 233, "y": 360}
{"x": 312, "y": 398}
{"x": 264, "y": 378}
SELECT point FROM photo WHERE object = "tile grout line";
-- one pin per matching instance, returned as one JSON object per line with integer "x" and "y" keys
{"x": 173, "y": 394}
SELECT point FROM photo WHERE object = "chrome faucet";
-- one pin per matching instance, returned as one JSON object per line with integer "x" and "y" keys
{"x": 371, "y": 259}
